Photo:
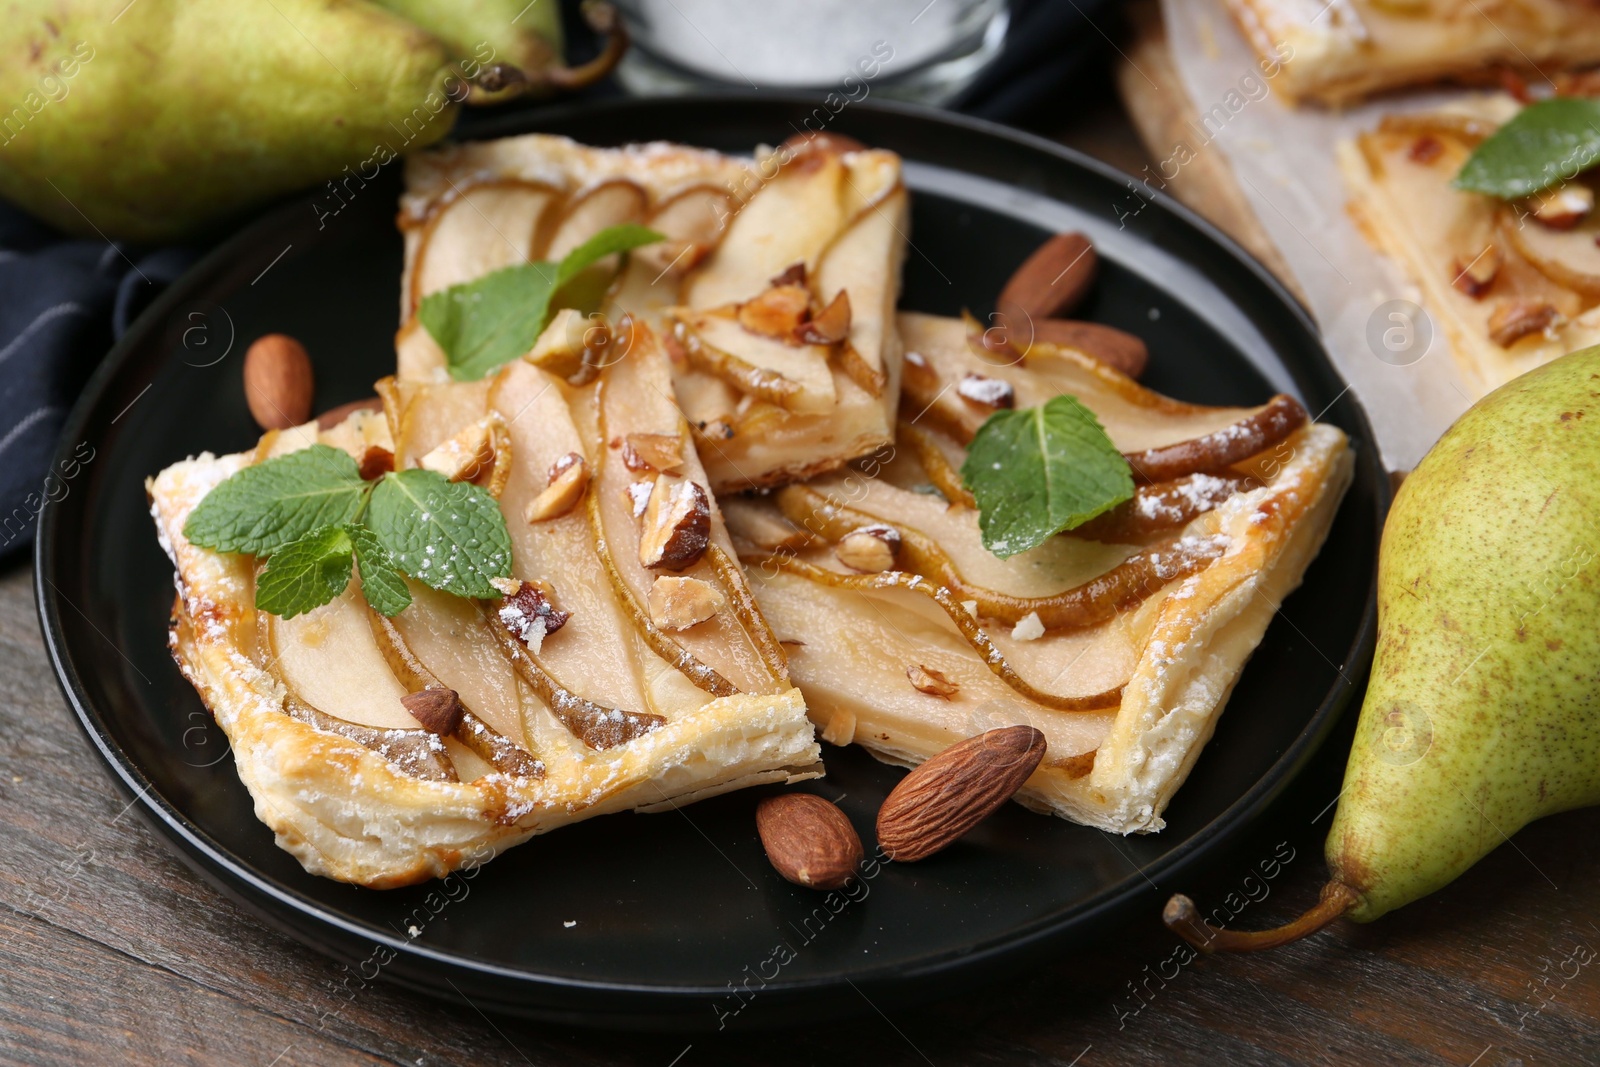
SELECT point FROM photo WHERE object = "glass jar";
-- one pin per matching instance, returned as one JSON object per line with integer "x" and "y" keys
{"x": 923, "y": 50}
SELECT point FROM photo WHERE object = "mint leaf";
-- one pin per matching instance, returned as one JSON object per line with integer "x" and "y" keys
{"x": 448, "y": 535}
{"x": 381, "y": 582}
{"x": 267, "y": 505}
{"x": 607, "y": 242}
{"x": 1547, "y": 143}
{"x": 305, "y": 573}
{"x": 492, "y": 320}
{"x": 1039, "y": 471}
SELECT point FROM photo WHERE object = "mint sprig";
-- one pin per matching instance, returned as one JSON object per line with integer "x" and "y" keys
{"x": 381, "y": 580}
{"x": 265, "y": 506}
{"x": 1546, "y": 143}
{"x": 492, "y": 320}
{"x": 449, "y": 535}
{"x": 315, "y": 519}
{"x": 305, "y": 573}
{"x": 1039, "y": 471}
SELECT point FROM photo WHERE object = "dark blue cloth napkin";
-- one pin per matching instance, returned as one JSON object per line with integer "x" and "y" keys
{"x": 62, "y": 304}
{"x": 64, "y": 301}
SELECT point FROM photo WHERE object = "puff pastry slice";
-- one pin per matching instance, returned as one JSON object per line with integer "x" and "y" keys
{"x": 583, "y": 691}
{"x": 775, "y": 289}
{"x": 1509, "y": 290}
{"x": 1334, "y": 51}
{"x": 1120, "y": 641}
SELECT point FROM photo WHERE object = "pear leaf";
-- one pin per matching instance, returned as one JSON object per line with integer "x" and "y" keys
{"x": 489, "y": 321}
{"x": 1041, "y": 470}
{"x": 1546, "y": 143}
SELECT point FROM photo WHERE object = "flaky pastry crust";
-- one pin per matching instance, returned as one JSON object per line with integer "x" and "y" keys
{"x": 1177, "y": 655}
{"x": 1338, "y": 51}
{"x": 859, "y": 251}
{"x": 346, "y": 813}
{"x": 1407, "y": 208}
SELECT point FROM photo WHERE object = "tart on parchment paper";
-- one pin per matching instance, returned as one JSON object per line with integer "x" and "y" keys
{"x": 1512, "y": 284}
{"x": 623, "y": 697}
{"x": 775, "y": 289}
{"x": 1336, "y": 51}
{"x": 1120, "y": 641}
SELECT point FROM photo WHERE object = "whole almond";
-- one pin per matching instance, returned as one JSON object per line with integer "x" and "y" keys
{"x": 1052, "y": 281}
{"x": 277, "y": 382}
{"x": 951, "y": 793}
{"x": 810, "y": 841}
{"x": 1115, "y": 348}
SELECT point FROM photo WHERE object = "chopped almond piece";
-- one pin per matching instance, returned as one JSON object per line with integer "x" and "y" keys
{"x": 869, "y": 549}
{"x": 776, "y": 313}
{"x": 464, "y": 456}
{"x": 676, "y": 528}
{"x": 569, "y": 476}
{"x": 376, "y": 461}
{"x": 1029, "y": 628}
{"x": 1425, "y": 149}
{"x": 655, "y": 452}
{"x": 989, "y": 392}
{"x": 438, "y": 710}
{"x": 570, "y": 341}
{"x": 680, "y": 603}
{"x": 927, "y": 680}
{"x": 831, "y": 325}
{"x": 638, "y": 494}
{"x": 793, "y": 274}
{"x": 1515, "y": 319}
{"x": 529, "y": 615}
{"x": 716, "y": 430}
{"x": 1564, "y": 207}
{"x": 1475, "y": 276}
{"x": 918, "y": 372}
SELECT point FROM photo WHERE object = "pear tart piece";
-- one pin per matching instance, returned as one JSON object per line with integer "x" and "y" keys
{"x": 624, "y": 666}
{"x": 775, "y": 287}
{"x": 1336, "y": 51}
{"x": 1120, "y": 640}
{"x": 1512, "y": 284}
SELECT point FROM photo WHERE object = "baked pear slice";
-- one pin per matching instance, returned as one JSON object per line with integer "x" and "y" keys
{"x": 385, "y": 751}
{"x": 774, "y": 288}
{"x": 1120, "y": 640}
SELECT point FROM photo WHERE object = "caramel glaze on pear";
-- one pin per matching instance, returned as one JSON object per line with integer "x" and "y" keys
{"x": 1483, "y": 709}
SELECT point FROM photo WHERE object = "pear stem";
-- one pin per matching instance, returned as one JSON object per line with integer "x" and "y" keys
{"x": 1184, "y": 919}
{"x": 604, "y": 20}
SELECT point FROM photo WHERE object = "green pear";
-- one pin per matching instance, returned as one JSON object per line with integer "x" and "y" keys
{"x": 523, "y": 34}
{"x": 1483, "y": 708}
{"x": 146, "y": 119}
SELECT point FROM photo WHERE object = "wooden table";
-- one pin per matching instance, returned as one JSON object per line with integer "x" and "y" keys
{"x": 112, "y": 952}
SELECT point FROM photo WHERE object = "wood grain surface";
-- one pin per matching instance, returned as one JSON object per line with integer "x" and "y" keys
{"x": 112, "y": 952}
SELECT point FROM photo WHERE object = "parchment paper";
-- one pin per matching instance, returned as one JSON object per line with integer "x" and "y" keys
{"x": 1400, "y": 368}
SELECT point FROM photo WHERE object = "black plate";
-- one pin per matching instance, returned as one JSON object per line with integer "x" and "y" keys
{"x": 677, "y": 916}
